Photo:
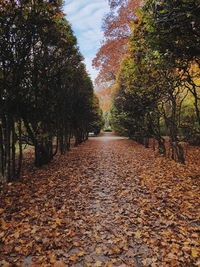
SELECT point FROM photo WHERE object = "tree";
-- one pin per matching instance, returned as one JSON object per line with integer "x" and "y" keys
{"x": 150, "y": 89}
{"x": 45, "y": 92}
{"x": 96, "y": 119}
{"x": 15, "y": 46}
{"x": 175, "y": 27}
{"x": 116, "y": 27}
{"x": 173, "y": 30}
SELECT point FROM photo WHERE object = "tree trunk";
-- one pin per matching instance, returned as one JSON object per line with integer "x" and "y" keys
{"x": 146, "y": 142}
{"x": 1, "y": 154}
{"x": 13, "y": 150}
{"x": 20, "y": 150}
{"x": 7, "y": 150}
{"x": 161, "y": 146}
{"x": 43, "y": 152}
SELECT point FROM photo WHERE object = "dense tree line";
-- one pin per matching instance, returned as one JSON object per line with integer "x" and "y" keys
{"x": 158, "y": 82}
{"x": 46, "y": 95}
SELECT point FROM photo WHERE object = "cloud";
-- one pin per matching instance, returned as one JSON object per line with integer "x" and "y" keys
{"x": 86, "y": 19}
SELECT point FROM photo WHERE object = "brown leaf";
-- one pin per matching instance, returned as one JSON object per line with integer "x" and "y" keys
{"x": 59, "y": 264}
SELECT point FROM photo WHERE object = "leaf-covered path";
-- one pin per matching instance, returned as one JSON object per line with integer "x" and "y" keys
{"x": 109, "y": 202}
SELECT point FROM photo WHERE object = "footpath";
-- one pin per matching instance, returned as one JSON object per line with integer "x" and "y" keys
{"x": 109, "y": 202}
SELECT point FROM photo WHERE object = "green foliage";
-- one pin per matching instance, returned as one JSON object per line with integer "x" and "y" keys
{"x": 174, "y": 27}
{"x": 107, "y": 130}
{"x": 158, "y": 83}
{"x": 96, "y": 119}
{"x": 44, "y": 86}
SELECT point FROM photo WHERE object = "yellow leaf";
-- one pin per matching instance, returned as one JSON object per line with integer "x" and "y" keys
{"x": 98, "y": 251}
{"x": 195, "y": 252}
{"x": 114, "y": 250}
{"x": 138, "y": 234}
{"x": 73, "y": 258}
{"x": 58, "y": 221}
{"x": 98, "y": 264}
{"x": 80, "y": 253}
{"x": 142, "y": 183}
{"x": 4, "y": 263}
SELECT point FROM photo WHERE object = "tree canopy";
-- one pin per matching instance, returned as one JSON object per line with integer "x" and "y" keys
{"x": 46, "y": 95}
{"x": 156, "y": 79}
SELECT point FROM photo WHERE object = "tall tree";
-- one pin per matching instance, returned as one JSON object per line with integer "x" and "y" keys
{"x": 151, "y": 88}
{"x": 116, "y": 27}
{"x": 45, "y": 92}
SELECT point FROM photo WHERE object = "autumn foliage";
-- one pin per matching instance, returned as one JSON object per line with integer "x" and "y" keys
{"x": 156, "y": 78}
{"x": 128, "y": 201}
{"x": 110, "y": 202}
{"x": 116, "y": 26}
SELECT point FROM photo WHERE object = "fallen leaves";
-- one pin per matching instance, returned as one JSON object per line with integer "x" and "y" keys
{"x": 73, "y": 258}
{"x": 2, "y": 211}
{"x": 59, "y": 264}
{"x": 98, "y": 251}
{"x": 195, "y": 252}
{"x": 3, "y": 224}
{"x": 137, "y": 234}
{"x": 98, "y": 264}
{"x": 4, "y": 263}
{"x": 107, "y": 203}
{"x": 81, "y": 253}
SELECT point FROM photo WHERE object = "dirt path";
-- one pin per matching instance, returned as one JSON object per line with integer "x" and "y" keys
{"x": 109, "y": 202}
{"x": 109, "y": 206}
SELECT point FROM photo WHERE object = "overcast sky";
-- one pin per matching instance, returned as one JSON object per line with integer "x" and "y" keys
{"x": 86, "y": 19}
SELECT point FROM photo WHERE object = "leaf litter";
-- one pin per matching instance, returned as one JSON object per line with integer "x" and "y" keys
{"x": 109, "y": 202}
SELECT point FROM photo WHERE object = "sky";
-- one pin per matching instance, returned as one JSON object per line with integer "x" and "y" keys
{"x": 86, "y": 17}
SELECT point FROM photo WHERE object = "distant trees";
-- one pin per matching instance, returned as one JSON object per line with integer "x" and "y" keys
{"x": 97, "y": 120}
{"x": 116, "y": 26}
{"x": 117, "y": 31}
{"x": 157, "y": 81}
{"x": 46, "y": 95}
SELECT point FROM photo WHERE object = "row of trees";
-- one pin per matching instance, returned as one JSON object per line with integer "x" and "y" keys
{"x": 158, "y": 84}
{"x": 46, "y": 95}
